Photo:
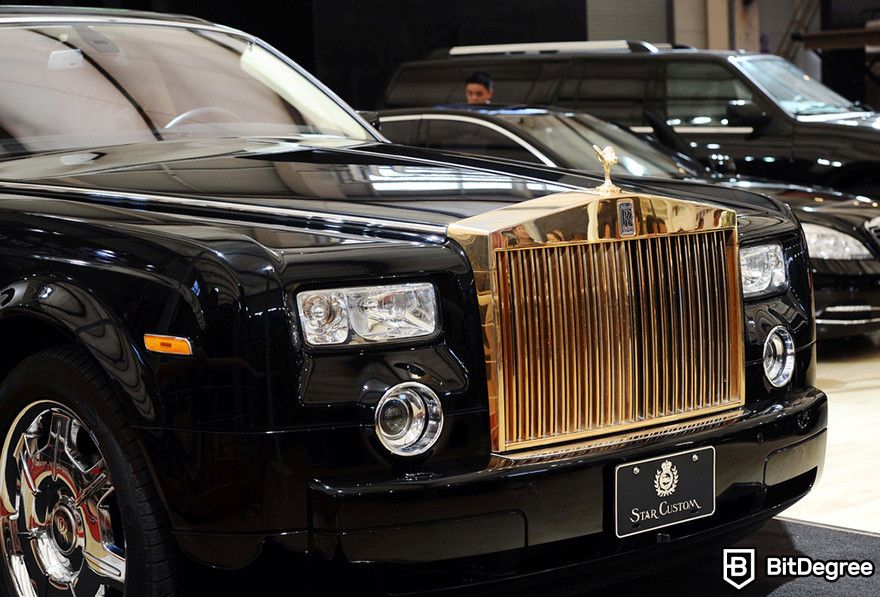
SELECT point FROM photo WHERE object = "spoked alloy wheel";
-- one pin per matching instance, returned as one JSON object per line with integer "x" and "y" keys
{"x": 61, "y": 525}
{"x": 79, "y": 513}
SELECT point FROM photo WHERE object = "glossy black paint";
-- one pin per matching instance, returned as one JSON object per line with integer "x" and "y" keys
{"x": 836, "y": 152}
{"x": 838, "y": 283}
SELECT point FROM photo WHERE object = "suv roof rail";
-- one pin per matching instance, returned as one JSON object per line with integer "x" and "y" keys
{"x": 554, "y": 47}
{"x": 670, "y": 46}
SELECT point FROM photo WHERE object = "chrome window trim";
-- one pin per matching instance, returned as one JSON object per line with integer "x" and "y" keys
{"x": 712, "y": 130}
{"x": 470, "y": 119}
{"x": 715, "y": 130}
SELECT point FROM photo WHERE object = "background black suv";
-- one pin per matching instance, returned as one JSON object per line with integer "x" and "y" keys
{"x": 755, "y": 110}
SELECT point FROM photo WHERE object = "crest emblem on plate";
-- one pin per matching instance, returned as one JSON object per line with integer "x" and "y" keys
{"x": 666, "y": 479}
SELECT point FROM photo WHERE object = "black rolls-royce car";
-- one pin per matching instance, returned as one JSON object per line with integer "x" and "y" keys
{"x": 842, "y": 230}
{"x": 761, "y": 111}
{"x": 233, "y": 315}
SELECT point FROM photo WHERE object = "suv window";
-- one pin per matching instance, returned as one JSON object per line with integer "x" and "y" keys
{"x": 467, "y": 137}
{"x": 697, "y": 93}
{"x": 610, "y": 89}
{"x": 511, "y": 83}
{"x": 400, "y": 131}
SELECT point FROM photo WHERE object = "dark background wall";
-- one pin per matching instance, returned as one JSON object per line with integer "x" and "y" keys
{"x": 850, "y": 72}
{"x": 358, "y": 45}
{"x": 354, "y": 46}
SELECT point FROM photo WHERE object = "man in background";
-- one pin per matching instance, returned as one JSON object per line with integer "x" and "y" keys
{"x": 478, "y": 88}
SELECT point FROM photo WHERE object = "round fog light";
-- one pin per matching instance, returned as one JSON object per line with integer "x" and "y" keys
{"x": 779, "y": 356}
{"x": 409, "y": 419}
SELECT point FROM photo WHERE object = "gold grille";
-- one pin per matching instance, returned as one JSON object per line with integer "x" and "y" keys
{"x": 607, "y": 335}
{"x": 589, "y": 332}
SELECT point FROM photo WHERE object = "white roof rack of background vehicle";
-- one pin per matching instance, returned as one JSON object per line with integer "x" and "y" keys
{"x": 557, "y": 47}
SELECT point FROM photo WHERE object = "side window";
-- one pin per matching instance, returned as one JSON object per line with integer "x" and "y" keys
{"x": 400, "y": 131}
{"x": 512, "y": 83}
{"x": 466, "y": 137}
{"x": 697, "y": 93}
{"x": 609, "y": 89}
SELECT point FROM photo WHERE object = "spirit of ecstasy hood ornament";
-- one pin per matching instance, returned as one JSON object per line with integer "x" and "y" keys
{"x": 608, "y": 157}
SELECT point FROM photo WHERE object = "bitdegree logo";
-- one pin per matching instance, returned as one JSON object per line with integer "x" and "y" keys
{"x": 830, "y": 570}
{"x": 739, "y": 567}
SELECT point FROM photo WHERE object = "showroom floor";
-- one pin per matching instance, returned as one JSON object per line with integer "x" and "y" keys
{"x": 849, "y": 371}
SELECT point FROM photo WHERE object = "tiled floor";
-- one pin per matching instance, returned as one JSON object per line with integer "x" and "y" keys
{"x": 848, "y": 495}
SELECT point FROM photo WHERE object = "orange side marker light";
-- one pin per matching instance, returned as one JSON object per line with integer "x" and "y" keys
{"x": 168, "y": 344}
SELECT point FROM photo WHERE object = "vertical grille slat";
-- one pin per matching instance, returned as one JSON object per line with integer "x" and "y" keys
{"x": 606, "y": 336}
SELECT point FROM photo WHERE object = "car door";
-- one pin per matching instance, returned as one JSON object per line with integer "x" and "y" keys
{"x": 695, "y": 100}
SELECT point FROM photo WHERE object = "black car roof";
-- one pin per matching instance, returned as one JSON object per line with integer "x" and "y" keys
{"x": 12, "y": 11}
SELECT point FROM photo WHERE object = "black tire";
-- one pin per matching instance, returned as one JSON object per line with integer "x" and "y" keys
{"x": 65, "y": 380}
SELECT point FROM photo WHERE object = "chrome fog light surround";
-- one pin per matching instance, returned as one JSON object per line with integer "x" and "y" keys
{"x": 779, "y": 356}
{"x": 409, "y": 419}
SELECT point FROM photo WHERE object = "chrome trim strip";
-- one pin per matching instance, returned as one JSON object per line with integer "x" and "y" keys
{"x": 851, "y": 309}
{"x": 847, "y": 321}
{"x": 476, "y": 121}
{"x": 831, "y": 116}
{"x": 239, "y": 208}
{"x": 714, "y": 130}
{"x": 642, "y": 129}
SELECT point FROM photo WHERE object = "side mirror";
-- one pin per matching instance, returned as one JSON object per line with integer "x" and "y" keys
{"x": 746, "y": 113}
{"x": 372, "y": 118}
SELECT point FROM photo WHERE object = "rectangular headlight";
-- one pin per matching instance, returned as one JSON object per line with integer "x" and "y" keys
{"x": 762, "y": 269}
{"x": 367, "y": 314}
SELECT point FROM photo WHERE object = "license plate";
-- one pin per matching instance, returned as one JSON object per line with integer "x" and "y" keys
{"x": 659, "y": 492}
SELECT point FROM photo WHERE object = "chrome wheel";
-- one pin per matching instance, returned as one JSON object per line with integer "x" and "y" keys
{"x": 60, "y": 522}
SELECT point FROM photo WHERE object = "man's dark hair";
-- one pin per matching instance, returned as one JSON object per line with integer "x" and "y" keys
{"x": 481, "y": 78}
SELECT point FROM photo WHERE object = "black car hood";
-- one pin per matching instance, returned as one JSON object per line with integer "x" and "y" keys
{"x": 819, "y": 205}
{"x": 332, "y": 177}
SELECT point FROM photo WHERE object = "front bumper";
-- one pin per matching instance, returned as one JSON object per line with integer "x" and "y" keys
{"x": 766, "y": 458}
{"x": 847, "y": 299}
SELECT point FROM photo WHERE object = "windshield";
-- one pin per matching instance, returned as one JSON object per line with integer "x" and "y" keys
{"x": 87, "y": 85}
{"x": 793, "y": 90}
{"x": 571, "y": 136}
